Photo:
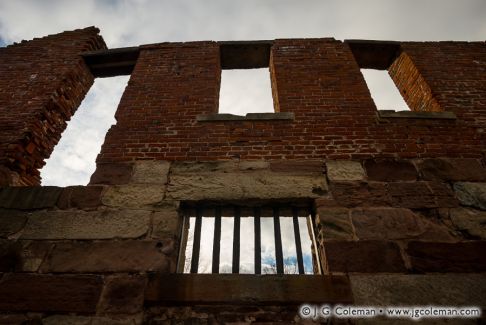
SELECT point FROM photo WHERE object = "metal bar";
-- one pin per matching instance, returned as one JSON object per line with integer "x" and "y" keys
{"x": 196, "y": 242}
{"x": 310, "y": 225}
{"x": 278, "y": 241}
{"x": 298, "y": 245}
{"x": 181, "y": 259}
{"x": 258, "y": 242}
{"x": 236, "y": 242}
{"x": 217, "y": 239}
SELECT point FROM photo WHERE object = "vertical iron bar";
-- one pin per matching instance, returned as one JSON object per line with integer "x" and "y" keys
{"x": 236, "y": 242}
{"x": 217, "y": 239}
{"x": 258, "y": 241}
{"x": 298, "y": 245}
{"x": 278, "y": 241}
{"x": 197, "y": 242}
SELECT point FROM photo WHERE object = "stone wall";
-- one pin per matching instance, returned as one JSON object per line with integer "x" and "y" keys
{"x": 399, "y": 198}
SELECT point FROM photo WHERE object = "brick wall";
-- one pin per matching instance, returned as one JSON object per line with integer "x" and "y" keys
{"x": 42, "y": 82}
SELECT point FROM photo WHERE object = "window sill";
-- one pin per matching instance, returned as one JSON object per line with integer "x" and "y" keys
{"x": 247, "y": 117}
{"x": 247, "y": 289}
{"x": 416, "y": 115}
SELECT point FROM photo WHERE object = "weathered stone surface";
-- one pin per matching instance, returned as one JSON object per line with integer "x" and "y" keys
{"x": 470, "y": 221}
{"x": 166, "y": 223}
{"x": 363, "y": 256}
{"x": 334, "y": 223}
{"x": 80, "y": 197}
{"x": 32, "y": 254}
{"x": 351, "y": 194}
{"x": 93, "y": 320}
{"x": 448, "y": 257}
{"x": 452, "y": 169}
{"x": 11, "y": 222}
{"x": 151, "y": 172}
{"x": 421, "y": 195}
{"x": 27, "y": 198}
{"x": 77, "y": 224}
{"x": 48, "y": 293}
{"x": 344, "y": 170}
{"x": 243, "y": 185}
{"x": 240, "y": 289}
{"x": 396, "y": 223}
{"x": 298, "y": 166}
{"x": 14, "y": 319}
{"x": 123, "y": 294}
{"x": 67, "y": 320}
{"x": 133, "y": 195}
{"x": 109, "y": 256}
{"x": 390, "y": 170}
{"x": 9, "y": 255}
{"x": 419, "y": 290}
{"x": 471, "y": 194}
{"x": 112, "y": 173}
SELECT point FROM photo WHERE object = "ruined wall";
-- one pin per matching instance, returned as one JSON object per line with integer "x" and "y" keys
{"x": 42, "y": 83}
{"x": 399, "y": 197}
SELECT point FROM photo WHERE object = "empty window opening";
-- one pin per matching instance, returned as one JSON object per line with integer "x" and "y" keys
{"x": 262, "y": 240}
{"x": 73, "y": 160}
{"x": 245, "y": 91}
{"x": 383, "y": 90}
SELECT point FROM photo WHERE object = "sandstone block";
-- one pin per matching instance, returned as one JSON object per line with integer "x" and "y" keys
{"x": 112, "y": 173}
{"x": 244, "y": 185}
{"x": 363, "y": 256}
{"x": 151, "y": 172}
{"x": 448, "y": 257}
{"x": 50, "y": 293}
{"x": 390, "y": 170}
{"x": 80, "y": 197}
{"x": 123, "y": 294}
{"x": 471, "y": 221}
{"x": 452, "y": 169}
{"x": 133, "y": 195}
{"x": 344, "y": 170}
{"x": 471, "y": 194}
{"x": 416, "y": 290}
{"x": 334, "y": 223}
{"x": 352, "y": 194}
{"x": 93, "y": 320}
{"x": 390, "y": 223}
{"x": 109, "y": 256}
{"x": 166, "y": 223}
{"x": 298, "y": 166}
{"x": 11, "y": 222}
{"x": 103, "y": 224}
{"x": 28, "y": 198}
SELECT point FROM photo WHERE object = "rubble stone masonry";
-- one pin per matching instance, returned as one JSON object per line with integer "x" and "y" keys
{"x": 399, "y": 198}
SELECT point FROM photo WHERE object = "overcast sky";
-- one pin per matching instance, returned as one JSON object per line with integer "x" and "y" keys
{"x": 135, "y": 22}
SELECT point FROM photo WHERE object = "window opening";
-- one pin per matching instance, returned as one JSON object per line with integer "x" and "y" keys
{"x": 383, "y": 90}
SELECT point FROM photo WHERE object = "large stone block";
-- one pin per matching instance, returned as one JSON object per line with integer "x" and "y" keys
{"x": 470, "y": 221}
{"x": 471, "y": 194}
{"x": 344, "y": 170}
{"x": 166, "y": 223}
{"x": 390, "y": 170}
{"x": 80, "y": 197}
{"x": 11, "y": 222}
{"x": 419, "y": 290}
{"x": 298, "y": 166}
{"x": 103, "y": 224}
{"x": 352, "y": 194}
{"x": 452, "y": 169}
{"x": 93, "y": 320}
{"x": 334, "y": 223}
{"x": 363, "y": 256}
{"x": 28, "y": 198}
{"x": 112, "y": 173}
{"x": 396, "y": 223}
{"x": 448, "y": 257}
{"x": 50, "y": 293}
{"x": 421, "y": 195}
{"x": 133, "y": 195}
{"x": 123, "y": 294}
{"x": 151, "y": 172}
{"x": 110, "y": 256}
{"x": 223, "y": 181}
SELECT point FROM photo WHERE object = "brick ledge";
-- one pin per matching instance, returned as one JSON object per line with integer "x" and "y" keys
{"x": 247, "y": 117}
{"x": 419, "y": 115}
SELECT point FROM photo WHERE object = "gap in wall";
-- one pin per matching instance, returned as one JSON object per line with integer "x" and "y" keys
{"x": 73, "y": 160}
{"x": 245, "y": 91}
{"x": 383, "y": 90}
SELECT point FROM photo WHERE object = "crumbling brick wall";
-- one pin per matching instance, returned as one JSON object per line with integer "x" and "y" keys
{"x": 42, "y": 83}
{"x": 399, "y": 198}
